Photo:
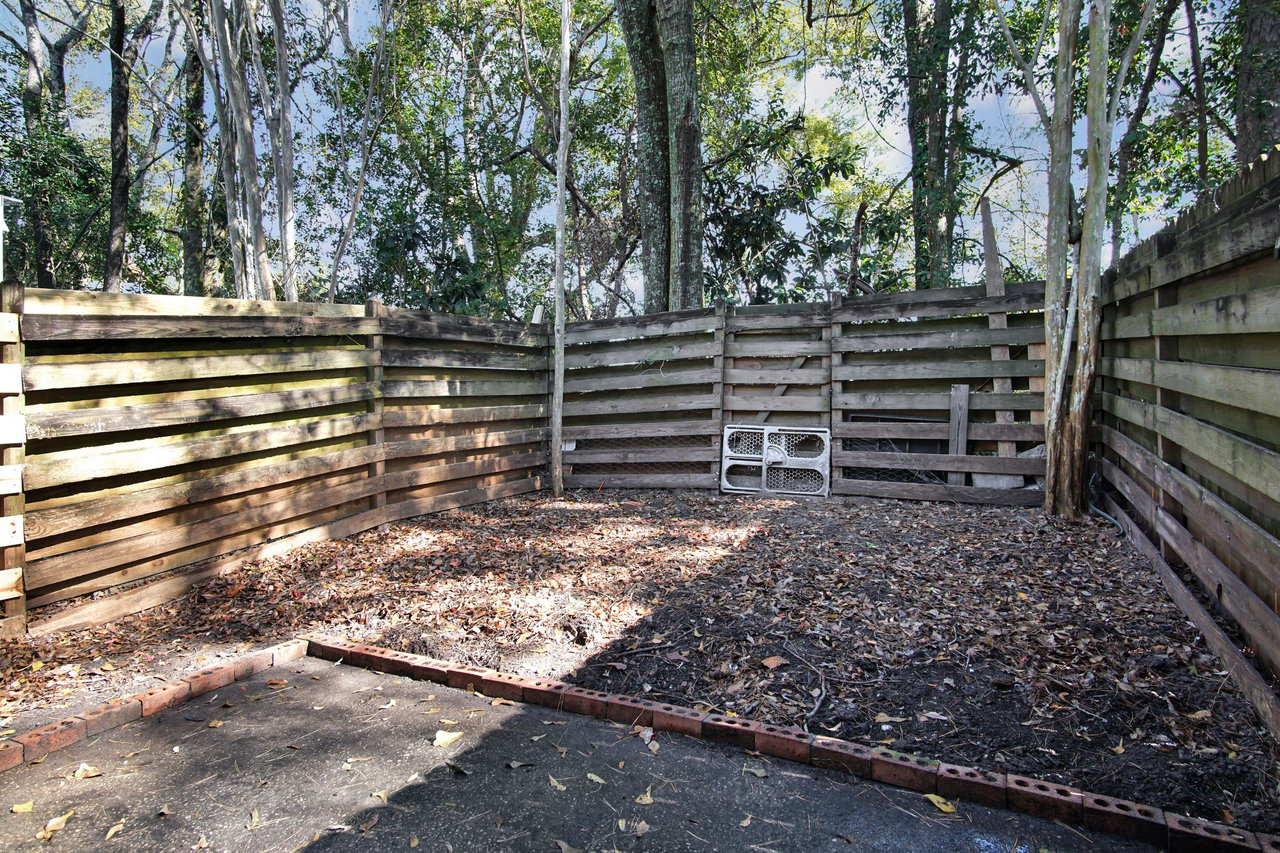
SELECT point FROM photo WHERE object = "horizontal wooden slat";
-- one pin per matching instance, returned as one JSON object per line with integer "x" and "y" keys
{"x": 905, "y": 339}
{"x": 648, "y": 352}
{"x": 1255, "y": 312}
{"x": 796, "y": 403}
{"x": 1251, "y": 464}
{"x": 8, "y": 328}
{"x": 474, "y": 441}
{"x": 424, "y": 476}
{"x": 10, "y": 583}
{"x": 929, "y": 492}
{"x": 465, "y": 360}
{"x": 96, "y": 421}
{"x": 440, "y": 503}
{"x": 630, "y": 328}
{"x": 642, "y": 430}
{"x": 935, "y": 370}
{"x": 767, "y": 347}
{"x": 149, "y": 455}
{"x": 977, "y": 432}
{"x": 777, "y": 377}
{"x": 938, "y": 401}
{"x": 943, "y": 302}
{"x": 641, "y": 481}
{"x": 676, "y": 403}
{"x": 1256, "y": 390}
{"x": 41, "y": 375}
{"x": 430, "y": 416}
{"x": 417, "y": 388}
{"x": 439, "y": 329}
{"x": 652, "y": 378}
{"x": 66, "y": 327}
{"x": 938, "y": 462}
{"x": 83, "y": 303}
{"x": 652, "y": 455}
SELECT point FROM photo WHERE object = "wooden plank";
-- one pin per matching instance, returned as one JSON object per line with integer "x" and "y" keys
{"x": 43, "y": 375}
{"x": 579, "y": 334}
{"x": 649, "y": 455}
{"x": 947, "y": 370}
{"x": 955, "y": 339}
{"x": 648, "y": 353}
{"x": 941, "y": 431}
{"x": 8, "y": 328}
{"x": 464, "y": 360}
{"x": 1254, "y": 233}
{"x": 1255, "y": 312}
{"x": 1032, "y": 467}
{"x": 1259, "y": 624}
{"x": 801, "y": 403}
{"x": 770, "y": 348}
{"x": 104, "y": 610}
{"x": 931, "y": 492}
{"x": 437, "y": 330}
{"x": 943, "y": 302}
{"x": 96, "y": 510}
{"x": 664, "y": 320}
{"x": 1245, "y": 677}
{"x": 1251, "y": 464}
{"x": 642, "y": 430}
{"x": 436, "y": 473}
{"x": 998, "y": 322}
{"x": 812, "y": 319}
{"x": 79, "y": 327}
{"x": 1243, "y": 387}
{"x": 11, "y": 531}
{"x": 432, "y": 416}
{"x": 82, "y": 563}
{"x": 611, "y": 382}
{"x": 13, "y": 503}
{"x": 11, "y": 378}
{"x": 583, "y": 408}
{"x": 440, "y": 503}
{"x": 815, "y": 376}
{"x": 958, "y": 430}
{"x": 938, "y": 401}
{"x": 642, "y": 481}
{"x": 10, "y": 479}
{"x": 75, "y": 466}
{"x": 96, "y": 421}
{"x": 11, "y": 583}
{"x": 420, "y": 388}
{"x": 1253, "y": 546}
{"x": 87, "y": 303}
{"x": 474, "y": 441}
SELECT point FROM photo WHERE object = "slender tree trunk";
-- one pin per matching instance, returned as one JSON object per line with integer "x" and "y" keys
{"x": 285, "y": 168}
{"x": 118, "y": 218}
{"x": 684, "y": 126}
{"x": 1258, "y": 79}
{"x": 1058, "y": 316}
{"x": 1202, "y": 116}
{"x": 37, "y": 202}
{"x": 194, "y": 267}
{"x": 653, "y": 167}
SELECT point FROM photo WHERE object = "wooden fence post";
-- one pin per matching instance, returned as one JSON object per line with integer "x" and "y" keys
{"x": 373, "y": 374}
{"x": 958, "y": 435}
{"x": 13, "y": 545}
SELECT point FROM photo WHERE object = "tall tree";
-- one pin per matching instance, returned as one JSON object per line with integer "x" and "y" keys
{"x": 37, "y": 202}
{"x": 660, "y": 43}
{"x": 195, "y": 260}
{"x": 1258, "y": 79}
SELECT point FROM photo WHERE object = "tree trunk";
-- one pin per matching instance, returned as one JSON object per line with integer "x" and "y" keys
{"x": 1202, "y": 107}
{"x": 118, "y": 217}
{"x": 653, "y": 168}
{"x": 194, "y": 262}
{"x": 1258, "y": 79}
{"x": 1058, "y": 317}
{"x": 36, "y": 203}
{"x": 684, "y": 126}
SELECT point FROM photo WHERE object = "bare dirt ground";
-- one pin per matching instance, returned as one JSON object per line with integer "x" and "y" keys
{"x": 988, "y": 636}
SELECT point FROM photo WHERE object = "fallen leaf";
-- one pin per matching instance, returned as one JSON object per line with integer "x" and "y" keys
{"x": 37, "y": 665}
{"x": 646, "y": 799}
{"x": 54, "y": 825}
{"x": 115, "y": 830}
{"x": 444, "y": 738}
{"x": 390, "y": 704}
{"x": 594, "y": 778}
{"x": 458, "y": 769}
{"x": 277, "y": 683}
{"x": 255, "y": 820}
{"x": 216, "y": 724}
{"x": 22, "y": 808}
{"x": 448, "y": 722}
{"x": 369, "y": 824}
{"x": 885, "y": 718}
{"x": 640, "y": 828}
{"x": 746, "y": 822}
{"x": 500, "y": 701}
{"x": 380, "y": 795}
{"x": 85, "y": 771}
{"x": 565, "y": 847}
{"x": 774, "y": 662}
{"x": 755, "y": 771}
{"x": 516, "y": 765}
{"x": 652, "y": 746}
{"x": 942, "y": 803}
{"x": 555, "y": 783}
{"x": 202, "y": 844}
{"x": 413, "y": 841}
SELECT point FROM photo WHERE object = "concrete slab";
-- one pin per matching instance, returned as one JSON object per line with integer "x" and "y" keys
{"x": 325, "y": 757}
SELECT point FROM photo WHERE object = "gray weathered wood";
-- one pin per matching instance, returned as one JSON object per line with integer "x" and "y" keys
{"x": 958, "y": 430}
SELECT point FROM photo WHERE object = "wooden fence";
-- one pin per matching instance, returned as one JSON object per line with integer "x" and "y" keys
{"x": 930, "y": 395}
{"x": 167, "y": 431}
{"x": 1189, "y": 412}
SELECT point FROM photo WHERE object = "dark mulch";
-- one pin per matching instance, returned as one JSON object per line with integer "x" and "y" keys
{"x": 988, "y": 636}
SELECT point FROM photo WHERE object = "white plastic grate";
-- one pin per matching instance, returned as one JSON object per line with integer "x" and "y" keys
{"x": 779, "y": 460}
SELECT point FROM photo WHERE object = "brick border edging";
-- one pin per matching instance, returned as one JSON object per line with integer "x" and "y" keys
{"x": 29, "y": 746}
{"x": 1174, "y": 832}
